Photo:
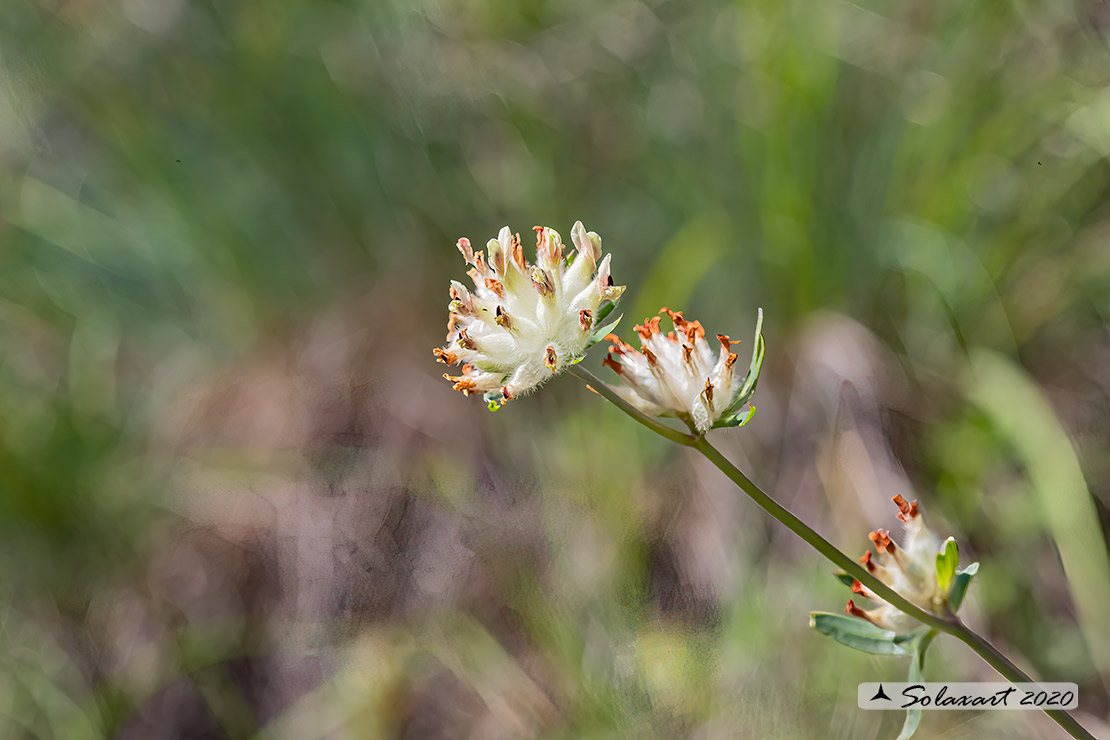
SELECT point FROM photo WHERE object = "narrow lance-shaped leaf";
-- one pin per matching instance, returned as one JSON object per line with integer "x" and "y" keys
{"x": 603, "y": 331}
{"x": 604, "y": 311}
{"x": 959, "y": 587}
{"x": 858, "y": 634}
{"x": 747, "y": 390}
{"x": 737, "y": 420}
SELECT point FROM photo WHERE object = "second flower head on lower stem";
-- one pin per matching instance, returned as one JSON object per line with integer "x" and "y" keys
{"x": 922, "y": 570}
{"x": 679, "y": 374}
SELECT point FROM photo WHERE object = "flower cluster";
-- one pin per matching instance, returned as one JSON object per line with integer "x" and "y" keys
{"x": 678, "y": 373}
{"x": 921, "y": 570}
{"x": 524, "y": 323}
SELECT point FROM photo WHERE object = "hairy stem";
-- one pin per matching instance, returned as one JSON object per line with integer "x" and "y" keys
{"x": 654, "y": 425}
{"x": 948, "y": 624}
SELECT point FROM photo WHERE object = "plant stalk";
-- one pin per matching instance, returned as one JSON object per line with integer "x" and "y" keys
{"x": 948, "y": 624}
{"x": 596, "y": 385}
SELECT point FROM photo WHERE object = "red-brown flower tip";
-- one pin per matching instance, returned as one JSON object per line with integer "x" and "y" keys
{"x": 649, "y": 327}
{"x": 539, "y": 235}
{"x": 460, "y": 383}
{"x": 447, "y": 358}
{"x": 506, "y": 393}
{"x": 502, "y": 318}
{"x": 906, "y": 511}
{"x": 618, "y": 345}
{"x": 857, "y": 588}
{"x": 687, "y": 354}
{"x": 855, "y": 611}
{"x": 549, "y": 357}
{"x": 725, "y": 342}
{"x": 866, "y": 560}
{"x": 518, "y": 253}
{"x": 692, "y": 329}
{"x": 585, "y": 319}
{"x": 882, "y": 540}
{"x": 708, "y": 390}
{"x": 731, "y": 359}
{"x": 496, "y": 287}
{"x": 651, "y": 358}
{"x": 610, "y": 362}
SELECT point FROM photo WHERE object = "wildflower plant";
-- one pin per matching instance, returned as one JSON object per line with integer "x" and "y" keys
{"x": 526, "y": 323}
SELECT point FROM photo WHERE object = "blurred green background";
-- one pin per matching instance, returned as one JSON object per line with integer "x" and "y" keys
{"x": 236, "y": 499}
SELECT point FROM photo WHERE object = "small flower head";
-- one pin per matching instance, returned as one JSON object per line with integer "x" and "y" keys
{"x": 524, "y": 323}
{"x": 921, "y": 571}
{"x": 680, "y": 374}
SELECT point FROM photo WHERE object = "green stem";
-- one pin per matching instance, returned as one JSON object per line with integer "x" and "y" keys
{"x": 819, "y": 543}
{"x": 949, "y": 625}
{"x": 654, "y": 425}
{"x": 1002, "y": 664}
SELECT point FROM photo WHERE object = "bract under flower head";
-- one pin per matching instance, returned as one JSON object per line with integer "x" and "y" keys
{"x": 524, "y": 323}
{"x": 911, "y": 570}
{"x": 678, "y": 374}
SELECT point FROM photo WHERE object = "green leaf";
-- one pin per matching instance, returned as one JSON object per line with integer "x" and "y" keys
{"x": 604, "y": 331}
{"x": 604, "y": 311}
{"x": 858, "y": 634}
{"x": 494, "y": 401}
{"x": 737, "y": 420}
{"x": 917, "y": 672}
{"x": 959, "y": 587}
{"x": 747, "y": 390}
{"x": 846, "y": 579}
{"x": 947, "y": 560}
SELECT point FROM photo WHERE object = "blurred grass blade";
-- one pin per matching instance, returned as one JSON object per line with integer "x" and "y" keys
{"x": 1022, "y": 415}
{"x": 60, "y": 219}
{"x": 682, "y": 264}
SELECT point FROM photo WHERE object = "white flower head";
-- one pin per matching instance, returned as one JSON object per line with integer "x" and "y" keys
{"x": 912, "y": 571}
{"x": 524, "y": 323}
{"x": 679, "y": 374}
